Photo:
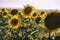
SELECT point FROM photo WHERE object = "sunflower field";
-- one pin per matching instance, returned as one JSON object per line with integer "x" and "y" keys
{"x": 29, "y": 23}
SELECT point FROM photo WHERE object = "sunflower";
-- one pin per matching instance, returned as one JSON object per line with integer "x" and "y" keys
{"x": 4, "y": 12}
{"x": 51, "y": 21}
{"x": 27, "y": 11}
{"x": 43, "y": 13}
{"x": 35, "y": 14}
{"x": 14, "y": 22}
{"x": 13, "y": 12}
{"x": 3, "y": 9}
{"x": 38, "y": 20}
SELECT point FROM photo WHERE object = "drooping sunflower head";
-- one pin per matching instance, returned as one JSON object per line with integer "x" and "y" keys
{"x": 27, "y": 11}
{"x": 52, "y": 21}
{"x": 14, "y": 22}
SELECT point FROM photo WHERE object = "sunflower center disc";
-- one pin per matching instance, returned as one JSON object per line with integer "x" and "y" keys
{"x": 4, "y": 13}
{"x": 52, "y": 21}
{"x": 14, "y": 11}
{"x": 37, "y": 20}
{"x": 14, "y": 22}
{"x": 27, "y": 10}
{"x": 3, "y": 9}
{"x": 34, "y": 14}
{"x": 42, "y": 12}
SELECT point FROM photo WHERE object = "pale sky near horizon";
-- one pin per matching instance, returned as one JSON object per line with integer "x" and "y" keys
{"x": 38, "y": 4}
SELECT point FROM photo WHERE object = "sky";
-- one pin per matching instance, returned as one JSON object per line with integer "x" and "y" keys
{"x": 38, "y": 4}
